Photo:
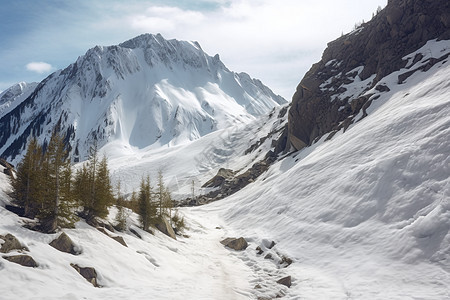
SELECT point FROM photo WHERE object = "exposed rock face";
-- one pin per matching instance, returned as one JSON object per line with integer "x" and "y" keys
{"x": 23, "y": 260}
{"x": 88, "y": 273}
{"x": 64, "y": 244}
{"x": 236, "y": 244}
{"x": 164, "y": 226}
{"x": 11, "y": 243}
{"x": 218, "y": 180}
{"x": 366, "y": 55}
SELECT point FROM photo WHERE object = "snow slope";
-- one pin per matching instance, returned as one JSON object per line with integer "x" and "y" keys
{"x": 367, "y": 214}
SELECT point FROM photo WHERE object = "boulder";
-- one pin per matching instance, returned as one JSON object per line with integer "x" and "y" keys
{"x": 11, "y": 243}
{"x": 88, "y": 273}
{"x": 287, "y": 281}
{"x": 164, "y": 226}
{"x": 64, "y": 244}
{"x": 23, "y": 260}
{"x": 234, "y": 243}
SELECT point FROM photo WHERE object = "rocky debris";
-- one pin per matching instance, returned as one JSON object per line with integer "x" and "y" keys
{"x": 268, "y": 256}
{"x": 237, "y": 244}
{"x": 231, "y": 185}
{"x": 96, "y": 222}
{"x": 8, "y": 168}
{"x": 272, "y": 244}
{"x": 64, "y": 243}
{"x": 116, "y": 238}
{"x": 88, "y": 273}
{"x": 164, "y": 226}
{"x": 11, "y": 243}
{"x": 259, "y": 251}
{"x": 287, "y": 281}
{"x": 377, "y": 49}
{"x": 23, "y": 260}
{"x": 285, "y": 261}
{"x": 218, "y": 180}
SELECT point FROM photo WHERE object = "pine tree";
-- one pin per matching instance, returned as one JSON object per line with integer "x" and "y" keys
{"x": 56, "y": 201}
{"x": 104, "y": 196}
{"x": 121, "y": 217}
{"x": 146, "y": 207}
{"x": 93, "y": 186}
{"x": 26, "y": 185}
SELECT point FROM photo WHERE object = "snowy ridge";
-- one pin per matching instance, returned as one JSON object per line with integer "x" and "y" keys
{"x": 14, "y": 95}
{"x": 145, "y": 92}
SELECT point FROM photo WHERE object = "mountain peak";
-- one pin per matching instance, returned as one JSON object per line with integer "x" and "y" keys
{"x": 147, "y": 91}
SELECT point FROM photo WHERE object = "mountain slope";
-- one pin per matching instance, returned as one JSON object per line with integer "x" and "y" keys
{"x": 334, "y": 90}
{"x": 145, "y": 92}
{"x": 365, "y": 215}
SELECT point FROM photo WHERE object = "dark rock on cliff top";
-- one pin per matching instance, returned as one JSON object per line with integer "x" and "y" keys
{"x": 371, "y": 52}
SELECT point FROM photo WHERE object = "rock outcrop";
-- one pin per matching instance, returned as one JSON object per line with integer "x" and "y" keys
{"x": 164, "y": 226}
{"x": 64, "y": 244}
{"x": 323, "y": 102}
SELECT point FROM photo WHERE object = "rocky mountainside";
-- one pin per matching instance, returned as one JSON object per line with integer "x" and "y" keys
{"x": 147, "y": 91}
{"x": 337, "y": 90}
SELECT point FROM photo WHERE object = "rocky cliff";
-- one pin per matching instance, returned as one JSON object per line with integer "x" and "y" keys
{"x": 333, "y": 91}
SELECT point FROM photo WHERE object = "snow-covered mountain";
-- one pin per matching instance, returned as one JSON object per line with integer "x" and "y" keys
{"x": 147, "y": 91}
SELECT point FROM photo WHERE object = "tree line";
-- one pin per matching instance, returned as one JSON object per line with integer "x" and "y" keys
{"x": 46, "y": 188}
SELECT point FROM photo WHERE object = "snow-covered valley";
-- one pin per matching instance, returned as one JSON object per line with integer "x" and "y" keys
{"x": 365, "y": 215}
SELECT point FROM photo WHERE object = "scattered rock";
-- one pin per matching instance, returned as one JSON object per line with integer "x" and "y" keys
{"x": 236, "y": 244}
{"x": 64, "y": 244}
{"x": 287, "y": 281}
{"x": 11, "y": 243}
{"x": 116, "y": 238}
{"x": 120, "y": 240}
{"x": 23, "y": 260}
{"x": 272, "y": 244}
{"x": 286, "y": 261}
{"x": 258, "y": 286}
{"x": 88, "y": 273}
{"x": 135, "y": 233}
{"x": 268, "y": 256}
{"x": 259, "y": 251}
{"x": 164, "y": 226}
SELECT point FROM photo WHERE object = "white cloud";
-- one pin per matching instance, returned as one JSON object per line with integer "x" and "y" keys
{"x": 39, "y": 67}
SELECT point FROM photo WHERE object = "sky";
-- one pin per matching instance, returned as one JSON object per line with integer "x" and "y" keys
{"x": 274, "y": 41}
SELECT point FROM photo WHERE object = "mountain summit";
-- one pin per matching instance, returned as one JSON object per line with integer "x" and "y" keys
{"x": 147, "y": 91}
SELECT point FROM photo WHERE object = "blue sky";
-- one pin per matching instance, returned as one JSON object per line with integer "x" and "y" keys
{"x": 275, "y": 41}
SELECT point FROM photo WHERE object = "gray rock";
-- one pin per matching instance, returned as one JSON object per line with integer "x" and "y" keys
{"x": 120, "y": 240}
{"x": 236, "y": 244}
{"x": 11, "y": 243}
{"x": 164, "y": 226}
{"x": 23, "y": 260}
{"x": 64, "y": 244}
{"x": 88, "y": 273}
{"x": 287, "y": 281}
